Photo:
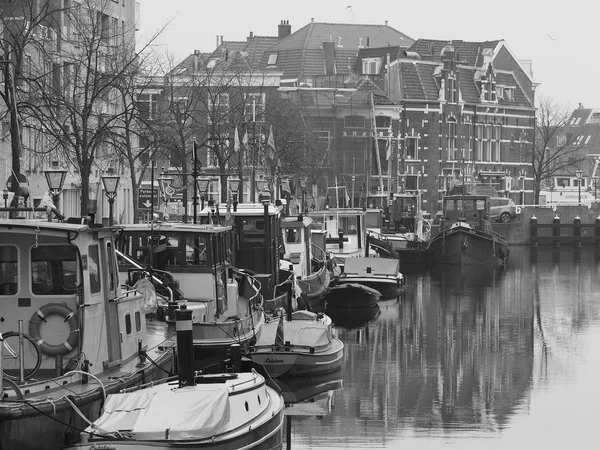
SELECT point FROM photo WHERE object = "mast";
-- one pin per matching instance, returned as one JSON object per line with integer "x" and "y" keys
{"x": 378, "y": 157}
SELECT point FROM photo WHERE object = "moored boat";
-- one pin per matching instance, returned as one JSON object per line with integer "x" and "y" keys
{"x": 191, "y": 264}
{"x": 381, "y": 274}
{"x": 466, "y": 237}
{"x": 84, "y": 336}
{"x": 352, "y": 295}
{"x": 233, "y": 407}
{"x": 305, "y": 256}
{"x": 298, "y": 344}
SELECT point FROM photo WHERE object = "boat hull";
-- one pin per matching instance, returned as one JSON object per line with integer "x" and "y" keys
{"x": 465, "y": 246}
{"x": 23, "y": 425}
{"x": 387, "y": 287}
{"x": 352, "y": 295}
{"x": 290, "y": 361}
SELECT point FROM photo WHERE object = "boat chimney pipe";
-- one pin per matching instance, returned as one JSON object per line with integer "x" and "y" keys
{"x": 185, "y": 346}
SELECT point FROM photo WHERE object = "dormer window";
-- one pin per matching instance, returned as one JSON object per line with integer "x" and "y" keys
{"x": 500, "y": 92}
{"x": 452, "y": 90}
{"x": 371, "y": 66}
{"x": 509, "y": 93}
{"x": 272, "y": 59}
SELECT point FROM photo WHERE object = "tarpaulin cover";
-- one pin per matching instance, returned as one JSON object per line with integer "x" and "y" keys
{"x": 187, "y": 413}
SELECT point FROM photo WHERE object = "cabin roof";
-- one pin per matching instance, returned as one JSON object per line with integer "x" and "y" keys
{"x": 35, "y": 224}
{"x": 176, "y": 226}
{"x": 243, "y": 209}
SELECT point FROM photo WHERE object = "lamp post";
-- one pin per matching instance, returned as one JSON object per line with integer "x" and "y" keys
{"x": 261, "y": 185}
{"x": 110, "y": 183}
{"x": 595, "y": 186}
{"x": 303, "y": 188}
{"x": 202, "y": 183}
{"x": 579, "y": 174}
{"x": 55, "y": 179}
{"x": 5, "y": 197}
{"x": 234, "y": 185}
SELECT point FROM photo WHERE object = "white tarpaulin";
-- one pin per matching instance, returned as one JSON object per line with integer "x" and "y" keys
{"x": 187, "y": 413}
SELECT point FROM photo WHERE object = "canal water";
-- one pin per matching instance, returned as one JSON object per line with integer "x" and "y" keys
{"x": 497, "y": 360}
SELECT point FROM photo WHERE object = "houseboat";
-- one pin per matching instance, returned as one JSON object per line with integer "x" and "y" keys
{"x": 71, "y": 334}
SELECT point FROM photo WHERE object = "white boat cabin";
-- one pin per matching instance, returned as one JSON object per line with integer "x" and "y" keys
{"x": 302, "y": 244}
{"x": 61, "y": 283}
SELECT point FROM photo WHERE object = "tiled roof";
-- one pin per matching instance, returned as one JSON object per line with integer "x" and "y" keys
{"x": 309, "y": 40}
{"x": 419, "y": 83}
{"x": 469, "y": 53}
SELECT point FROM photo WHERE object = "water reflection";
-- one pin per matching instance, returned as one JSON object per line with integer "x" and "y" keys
{"x": 350, "y": 318}
{"x": 509, "y": 355}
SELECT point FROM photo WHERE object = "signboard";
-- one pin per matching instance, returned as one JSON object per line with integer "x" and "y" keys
{"x": 145, "y": 197}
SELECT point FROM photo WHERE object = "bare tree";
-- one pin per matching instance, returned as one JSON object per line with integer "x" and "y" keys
{"x": 74, "y": 100}
{"x": 554, "y": 150}
{"x": 25, "y": 26}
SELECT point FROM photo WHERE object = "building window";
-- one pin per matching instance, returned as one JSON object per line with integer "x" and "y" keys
{"x": 218, "y": 107}
{"x": 412, "y": 148}
{"x": 371, "y": 66}
{"x": 496, "y": 136}
{"x": 452, "y": 90}
{"x": 509, "y": 93}
{"x": 354, "y": 122}
{"x": 272, "y": 59}
{"x": 451, "y": 139}
{"x": 254, "y": 107}
{"x": 479, "y": 142}
{"x": 147, "y": 106}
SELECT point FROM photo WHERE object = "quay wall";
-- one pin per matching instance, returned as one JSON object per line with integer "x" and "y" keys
{"x": 518, "y": 231}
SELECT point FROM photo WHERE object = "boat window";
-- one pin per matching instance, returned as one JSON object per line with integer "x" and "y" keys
{"x": 9, "y": 275}
{"x": 347, "y": 225}
{"x": 53, "y": 270}
{"x": 292, "y": 235}
{"x": 94, "y": 268}
{"x": 138, "y": 322}
{"x": 127, "y": 324}
{"x": 113, "y": 275}
{"x": 196, "y": 250}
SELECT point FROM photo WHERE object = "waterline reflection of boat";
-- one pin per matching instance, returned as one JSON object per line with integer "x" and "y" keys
{"x": 350, "y": 318}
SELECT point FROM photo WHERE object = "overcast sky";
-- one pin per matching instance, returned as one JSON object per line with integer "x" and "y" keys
{"x": 559, "y": 37}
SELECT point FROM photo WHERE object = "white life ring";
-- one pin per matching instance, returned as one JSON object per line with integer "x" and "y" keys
{"x": 69, "y": 316}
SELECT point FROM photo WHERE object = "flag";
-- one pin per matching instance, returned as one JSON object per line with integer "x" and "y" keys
{"x": 271, "y": 144}
{"x": 347, "y": 198}
{"x": 388, "y": 147}
{"x": 326, "y": 150}
{"x": 279, "y": 338}
{"x": 245, "y": 140}
{"x": 236, "y": 141}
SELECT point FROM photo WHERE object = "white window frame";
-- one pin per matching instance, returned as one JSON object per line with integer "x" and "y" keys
{"x": 371, "y": 66}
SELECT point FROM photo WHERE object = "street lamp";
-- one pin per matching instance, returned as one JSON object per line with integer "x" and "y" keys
{"x": 234, "y": 186}
{"x": 263, "y": 194}
{"x": 203, "y": 183}
{"x": 55, "y": 179}
{"x": 5, "y": 196}
{"x": 110, "y": 183}
{"x": 303, "y": 188}
{"x": 579, "y": 174}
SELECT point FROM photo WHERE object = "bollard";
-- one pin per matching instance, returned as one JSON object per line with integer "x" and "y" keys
{"x": 597, "y": 231}
{"x": 577, "y": 230}
{"x": 556, "y": 230}
{"x": 236, "y": 358}
{"x": 341, "y": 240}
{"x": 171, "y": 308}
{"x": 534, "y": 231}
{"x": 185, "y": 346}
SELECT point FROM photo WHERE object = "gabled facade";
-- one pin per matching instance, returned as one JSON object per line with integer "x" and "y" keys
{"x": 467, "y": 115}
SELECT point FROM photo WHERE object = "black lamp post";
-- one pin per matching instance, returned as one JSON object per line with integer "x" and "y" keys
{"x": 263, "y": 194}
{"x": 234, "y": 186}
{"x": 5, "y": 197}
{"x": 579, "y": 174}
{"x": 55, "y": 179}
{"x": 303, "y": 188}
{"x": 110, "y": 183}
{"x": 203, "y": 183}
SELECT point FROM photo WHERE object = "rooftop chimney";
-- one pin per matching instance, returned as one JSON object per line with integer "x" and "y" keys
{"x": 250, "y": 37}
{"x": 284, "y": 29}
{"x": 217, "y": 40}
{"x": 386, "y": 23}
